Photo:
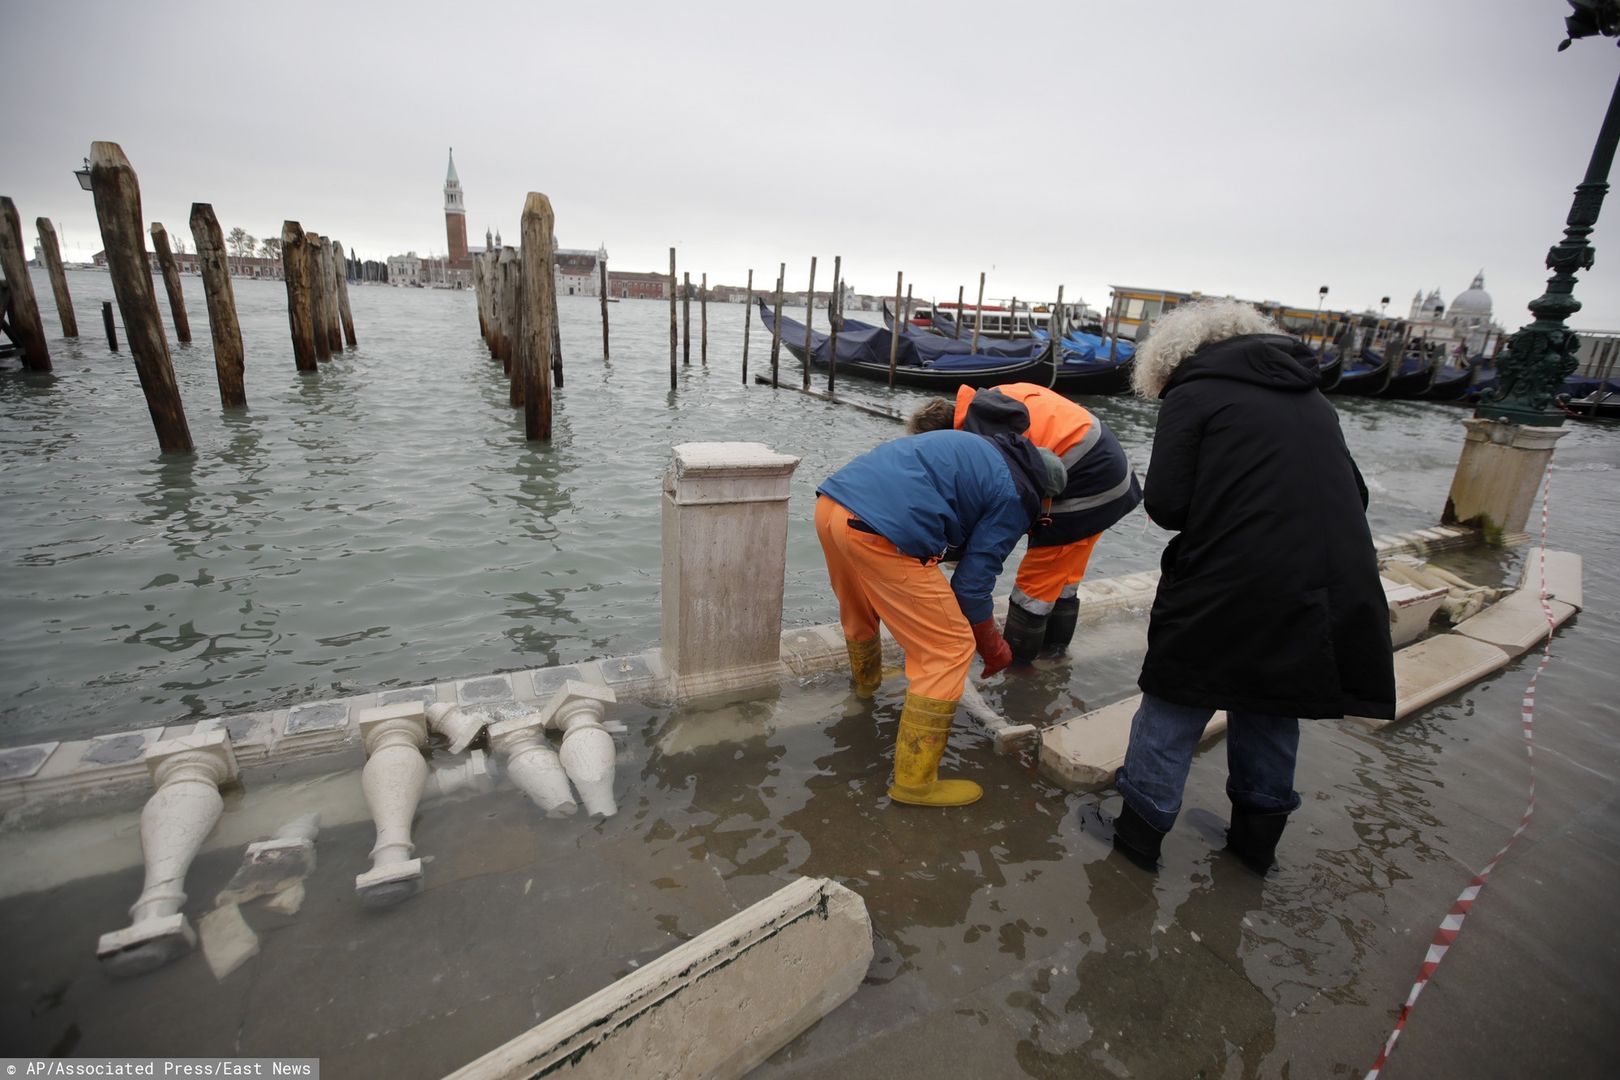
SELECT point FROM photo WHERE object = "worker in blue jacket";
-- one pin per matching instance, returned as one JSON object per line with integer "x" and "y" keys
{"x": 886, "y": 520}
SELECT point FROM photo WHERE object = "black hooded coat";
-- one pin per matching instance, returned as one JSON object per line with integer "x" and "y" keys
{"x": 1269, "y": 598}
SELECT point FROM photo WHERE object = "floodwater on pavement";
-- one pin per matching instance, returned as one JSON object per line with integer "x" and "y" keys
{"x": 383, "y": 524}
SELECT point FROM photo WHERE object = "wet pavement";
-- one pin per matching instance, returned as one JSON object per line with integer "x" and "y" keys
{"x": 1010, "y": 939}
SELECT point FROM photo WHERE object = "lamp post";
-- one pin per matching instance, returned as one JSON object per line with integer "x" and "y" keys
{"x": 1321, "y": 295}
{"x": 1541, "y": 355}
{"x": 83, "y": 173}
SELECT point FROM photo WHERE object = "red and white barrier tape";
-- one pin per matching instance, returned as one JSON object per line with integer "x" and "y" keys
{"x": 1446, "y": 933}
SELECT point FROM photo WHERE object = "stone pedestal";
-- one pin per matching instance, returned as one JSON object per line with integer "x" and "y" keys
{"x": 174, "y": 823}
{"x": 1498, "y": 476}
{"x": 725, "y": 553}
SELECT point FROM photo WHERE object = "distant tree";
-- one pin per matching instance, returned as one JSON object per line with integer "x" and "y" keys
{"x": 238, "y": 240}
{"x": 270, "y": 247}
{"x": 179, "y": 244}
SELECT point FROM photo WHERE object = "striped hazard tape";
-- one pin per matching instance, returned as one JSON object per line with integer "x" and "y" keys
{"x": 1445, "y": 935}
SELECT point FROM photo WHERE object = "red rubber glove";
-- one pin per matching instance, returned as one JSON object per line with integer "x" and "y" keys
{"x": 992, "y": 646}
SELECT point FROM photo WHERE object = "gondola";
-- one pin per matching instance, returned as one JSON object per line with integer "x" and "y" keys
{"x": 929, "y": 345}
{"x": 1449, "y": 383}
{"x": 1410, "y": 378}
{"x": 1598, "y": 405}
{"x": 863, "y": 351}
{"x": 1086, "y": 368}
{"x": 1365, "y": 376}
{"x": 1328, "y": 369}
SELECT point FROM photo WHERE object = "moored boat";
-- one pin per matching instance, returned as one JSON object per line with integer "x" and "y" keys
{"x": 1364, "y": 376}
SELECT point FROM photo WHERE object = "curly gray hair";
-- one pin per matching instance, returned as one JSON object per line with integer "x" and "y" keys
{"x": 1177, "y": 334}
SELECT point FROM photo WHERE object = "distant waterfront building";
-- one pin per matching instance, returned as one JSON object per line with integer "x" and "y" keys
{"x": 636, "y": 285}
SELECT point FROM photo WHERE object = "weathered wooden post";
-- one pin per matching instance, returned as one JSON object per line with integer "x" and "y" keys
{"x": 25, "y": 325}
{"x": 108, "y": 324}
{"x": 978, "y": 315}
{"x": 295, "y": 272}
{"x": 1054, "y": 334}
{"x": 510, "y": 275}
{"x": 703, "y": 321}
{"x": 539, "y": 311}
{"x": 342, "y": 265}
{"x": 556, "y": 330}
{"x": 809, "y": 317}
{"x": 171, "y": 282}
{"x": 961, "y": 292}
{"x": 899, "y": 327}
{"x": 316, "y": 274}
{"x": 329, "y": 284}
{"x": 223, "y": 327}
{"x": 59, "y": 287}
{"x": 674, "y": 326}
{"x": 686, "y": 317}
{"x": 118, "y": 210}
{"x": 601, "y": 267}
{"x": 776, "y": 325}
{"x": 748, "y": 315}
{"x": 833, "y": 319}
{"x": 909, "y": 308}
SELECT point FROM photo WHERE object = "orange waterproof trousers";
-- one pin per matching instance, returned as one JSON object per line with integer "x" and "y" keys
{"x": 1047, "y": 573}
{"x": 877, "y": 583}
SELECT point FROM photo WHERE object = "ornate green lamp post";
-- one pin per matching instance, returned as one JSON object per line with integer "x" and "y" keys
{"x": 1541, "y": 355}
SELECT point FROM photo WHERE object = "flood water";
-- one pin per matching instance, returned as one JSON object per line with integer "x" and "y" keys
{"x": 384, "y": 524}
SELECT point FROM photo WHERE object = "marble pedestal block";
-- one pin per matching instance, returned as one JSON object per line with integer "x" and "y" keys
{"x": 725, "y": 554}
{"x": 1498, "y": 475}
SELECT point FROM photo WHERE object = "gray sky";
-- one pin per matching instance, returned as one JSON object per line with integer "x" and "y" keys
{"x": 1257, "y": 148}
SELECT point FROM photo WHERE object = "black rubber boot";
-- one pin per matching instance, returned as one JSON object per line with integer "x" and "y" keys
{"x": 1024, "y": 633}
{"x": 1136, "y": 839}
{"x": 1253, "y": 837}
{"x": 1060, "y": 625}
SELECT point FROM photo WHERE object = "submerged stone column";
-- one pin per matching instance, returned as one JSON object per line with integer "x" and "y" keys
{"x": 725, "y": 555}
{"x": 1498, "y": 475}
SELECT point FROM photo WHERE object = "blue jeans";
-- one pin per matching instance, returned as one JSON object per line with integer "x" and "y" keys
{"x": 1260, "y": 753}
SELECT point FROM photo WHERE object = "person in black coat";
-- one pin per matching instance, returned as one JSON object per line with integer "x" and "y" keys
{"x": 1269, "y": 604}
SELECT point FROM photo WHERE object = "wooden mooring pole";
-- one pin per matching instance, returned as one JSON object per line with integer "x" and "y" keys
{"x": 171, "y": 283}
{"x": 703, "y": 319}
{"x": 26, "y": 328}
{"x": 539, "y": 314}
{"x": 509, "y": 279}
{"x": 686, "y": 317}
{"x": 674, "y": 325}
{"x": 601, "y": 266}
{"x": 316, "y": 274}
{"x": 1054, "y": 335}
{"x": 978, "y": 315}
{"x": 118, "y": 210}
{"x": 223, "y": 326}
{"x": 556, "y": 331}
{"x": 108, "y": 325}
{"x": 334, "y": 322}
{"x": 776, "y": 325}
{"x": 809, "y": 317}
{"x": 341, "y": 265}
{"x": 295, "y": 272}
{"x": 957, "y": 329}
{"x": 59, "y": 287}
{"x": 748, "y": 315}
{"x": 833, "y": 319}
{"x": 899, "y": 327}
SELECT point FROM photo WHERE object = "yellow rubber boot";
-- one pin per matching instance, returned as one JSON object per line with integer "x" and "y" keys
{"x": 925, "y": 724}
{"x": 865, "y": 665}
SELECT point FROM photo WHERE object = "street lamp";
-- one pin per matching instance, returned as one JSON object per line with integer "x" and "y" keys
{"x": 1321, "y": 295}
{"x": 1540, "y": 356}
{"x": 84, "y": 175}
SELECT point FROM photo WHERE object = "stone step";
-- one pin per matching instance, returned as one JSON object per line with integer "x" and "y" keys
{"x": 1083, "y": 754}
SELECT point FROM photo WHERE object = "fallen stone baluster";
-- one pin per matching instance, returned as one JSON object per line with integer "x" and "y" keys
{"x": 174, "y": 823}
{"x": 520, "y": 739}
{"x": 393, "y": 780}
{"x": 270, "y": 866}
{"x": 472, "y": 775}
{"x": 1005, "y": 733}
{"x": 587, "y": 746}
{"x": 460, "y": 726}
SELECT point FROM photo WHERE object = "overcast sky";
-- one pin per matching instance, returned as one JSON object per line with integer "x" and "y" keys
{"x": 1253, "y": 148}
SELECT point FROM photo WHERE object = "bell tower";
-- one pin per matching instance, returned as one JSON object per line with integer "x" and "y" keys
{"x": 455, "y": 216}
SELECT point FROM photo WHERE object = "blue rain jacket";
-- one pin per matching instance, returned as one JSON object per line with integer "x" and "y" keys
{"x": 947, "y": 490}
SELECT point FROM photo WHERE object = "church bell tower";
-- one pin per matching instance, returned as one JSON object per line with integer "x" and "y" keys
{"x": 455, "y": 217}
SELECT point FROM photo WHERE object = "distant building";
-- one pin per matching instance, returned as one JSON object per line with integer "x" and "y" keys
{"x": 252, "y": 266}
{"x": 634, "y": 285}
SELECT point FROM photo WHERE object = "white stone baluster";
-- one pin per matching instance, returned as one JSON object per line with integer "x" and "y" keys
{"x": 174, "y": 823}
{"x": 587, "y": 747}
{"x": 393, "y": 780}
{"x": 460, "y": 726}
{"x": 473, "y": 774}
{"x": 531, "y": 763}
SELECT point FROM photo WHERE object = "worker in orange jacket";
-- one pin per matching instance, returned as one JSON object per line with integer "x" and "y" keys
{"x": 1102, "y": 488}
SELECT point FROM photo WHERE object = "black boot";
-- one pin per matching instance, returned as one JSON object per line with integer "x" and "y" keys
{"x": 1253, "y": 837}
{"x": 1025, "y": 632}
{"x": 1136, "y": 839}
{"x": 1060, "y": 625}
